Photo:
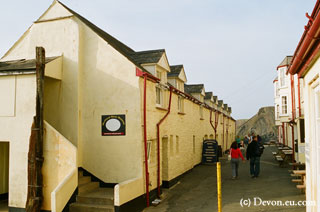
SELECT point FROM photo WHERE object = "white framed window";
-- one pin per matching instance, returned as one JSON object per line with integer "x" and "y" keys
{"x": 278, "y": 111}
{"x": 180, "y": 104}
{"x": 159, "y": 75}
{"x": 277, "y": 89}
{"x": 159, "y": 96}
{"x": 284, "y": 105}
{"x": 282, "y": 77}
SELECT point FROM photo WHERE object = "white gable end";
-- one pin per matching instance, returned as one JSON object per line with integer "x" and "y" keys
{"x": 56, "y": 10}
{"x": 203, "y": 93}
{"x": 163, "y": 62}
{"x": 183, "y": 76}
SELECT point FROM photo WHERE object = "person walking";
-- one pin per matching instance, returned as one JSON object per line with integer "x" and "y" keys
{"x": 254, "y": 152}
{"x": 246, "y": 141}
{"x": 235, "y": 156}
{"x": 238, "y": 140}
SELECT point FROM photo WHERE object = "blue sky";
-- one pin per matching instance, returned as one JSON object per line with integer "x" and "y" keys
{"x": 231, "y": 46}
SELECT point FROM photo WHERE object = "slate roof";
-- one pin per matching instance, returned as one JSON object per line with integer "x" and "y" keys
{"x": 195, "y": 88}
{"x": 119, "y": 46}
{"x": 20, "y": 66}
{"x": 208, "y": 95}
{"x": 286, "y": 61}
{"x": 149, "y": 56}
{"x": 175, "y": 71}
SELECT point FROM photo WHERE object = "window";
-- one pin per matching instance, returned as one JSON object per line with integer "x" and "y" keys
{"x": 159, "y": 75}
{"x": 278, "y": 111}
{"x": 201, "y": 112}
{"x": 284, "y": 106}
{"x": 180, "y": 104}
{"x": 158, "y": 96}
{"x": 277, "y": 88}
{"x": 282, "y": 77}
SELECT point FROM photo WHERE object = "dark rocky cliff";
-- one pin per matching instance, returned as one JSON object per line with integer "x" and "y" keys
{"x": 262, "y": 123}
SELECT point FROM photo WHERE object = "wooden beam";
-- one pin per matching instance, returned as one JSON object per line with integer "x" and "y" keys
{"x": 35, "y": 154}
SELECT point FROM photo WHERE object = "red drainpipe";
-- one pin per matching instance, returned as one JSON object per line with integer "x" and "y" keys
{"x": 293, "y": 152}
{"x": 293, "y": 98}
{"x": 283, "y": 135}
{"x": 293, "y": 114}
{"x": 146, "y": 76}
{"x": 145, "y": 135}
{"x": 214, "y": 129}
{"x": 299, "y": 98}
{"x": 216, "y": 118}
{"x": 227, "y": 130}
{"x": 158, "y": 141}
{"x": 223, "y": 130}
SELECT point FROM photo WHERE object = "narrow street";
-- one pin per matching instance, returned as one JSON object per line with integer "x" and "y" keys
{"x": 196, "y": 191}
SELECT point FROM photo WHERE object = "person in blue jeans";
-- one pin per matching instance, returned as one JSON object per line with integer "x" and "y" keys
{"x": 254, "y": 152}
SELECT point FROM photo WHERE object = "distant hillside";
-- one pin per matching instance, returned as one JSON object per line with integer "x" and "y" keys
{"x": 262, "y": 124}
{"x": 240, "y": 122}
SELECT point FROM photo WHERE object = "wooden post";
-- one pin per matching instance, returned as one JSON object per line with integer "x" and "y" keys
{"x": 35, "y": 155}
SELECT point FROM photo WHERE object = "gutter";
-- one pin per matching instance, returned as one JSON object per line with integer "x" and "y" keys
{"x": 309, "y": 36}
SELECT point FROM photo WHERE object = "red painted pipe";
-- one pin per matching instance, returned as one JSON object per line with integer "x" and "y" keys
{"x": 145, "y": 135}
{"x": 214, "y": 129}
{"x": 158, "y": 142}
{"x": 299, "y": 98}
{"x": 309, "y": 36}
{"x": 293, "y": 105}
{"x": 216, "y": 118}
{"x": 146, "y": 76}
{"x": 283, "y": 135}
{"x": 293, "y": 152}
{"x": 227, "y": 132}
{"x": 223, "y": 130}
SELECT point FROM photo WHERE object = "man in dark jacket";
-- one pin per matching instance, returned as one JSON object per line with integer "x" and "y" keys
{"x": 254, "y": 152}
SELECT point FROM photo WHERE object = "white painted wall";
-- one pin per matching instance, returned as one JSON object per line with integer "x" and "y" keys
{"x": 312, "y": 145}
{"x": 17, "y": 129}
{"x": 108, "y": 85}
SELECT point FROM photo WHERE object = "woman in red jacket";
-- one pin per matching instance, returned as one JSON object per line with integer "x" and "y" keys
{"x": 235, "y": 153}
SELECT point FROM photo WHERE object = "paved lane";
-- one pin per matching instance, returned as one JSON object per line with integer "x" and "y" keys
{"x": 196, "y": 191}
